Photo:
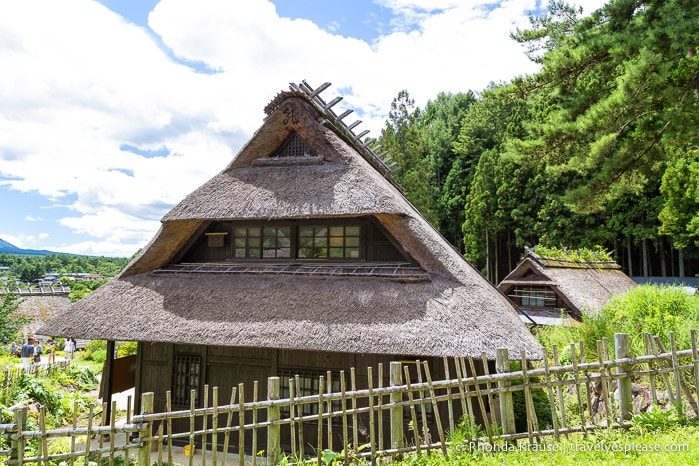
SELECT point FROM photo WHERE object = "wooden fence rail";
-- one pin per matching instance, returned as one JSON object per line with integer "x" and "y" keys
{"x": 417, "y": 412}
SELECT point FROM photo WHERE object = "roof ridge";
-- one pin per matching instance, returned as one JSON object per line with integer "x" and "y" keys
{"x": 382, "y": 161}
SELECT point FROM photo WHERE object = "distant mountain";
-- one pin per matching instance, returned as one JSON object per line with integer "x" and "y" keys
{"x": 12, "y": 249}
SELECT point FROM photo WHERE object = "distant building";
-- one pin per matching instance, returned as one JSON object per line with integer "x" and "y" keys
{"x": 554, "y": 291}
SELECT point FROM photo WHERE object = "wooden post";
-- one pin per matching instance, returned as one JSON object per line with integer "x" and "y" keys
{"x": 17, "y": 445}
{"x": 621, "y": 350}
{"x": 397, "y": 411}
{"x": 273, "y": 414}
{"x": 107, "y": 378}
{"x": 507, "y": 411}
{"x": 144, "y": 450}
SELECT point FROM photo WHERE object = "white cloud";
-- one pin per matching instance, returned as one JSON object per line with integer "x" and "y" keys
{"x": 79, "y": 83}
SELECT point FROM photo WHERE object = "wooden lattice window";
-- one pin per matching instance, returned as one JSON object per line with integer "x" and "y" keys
{"x": 266, "y": 242}
{"x": 334, "y": 242}
{"x": 295, "y": 146}
{"x": 535, "y": 296}
{"x": 185, "y": 378}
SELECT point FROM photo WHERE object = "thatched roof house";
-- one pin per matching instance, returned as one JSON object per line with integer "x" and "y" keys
{"x": 402, "y": 290}
{"x": 545, "y": 290}
{"x": 300, "y": 258}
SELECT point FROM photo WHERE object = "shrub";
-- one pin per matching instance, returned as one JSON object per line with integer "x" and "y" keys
{"x": 654, "y": 309}
{"x": 127, "y": 348}
{"x": 98, "y": 356}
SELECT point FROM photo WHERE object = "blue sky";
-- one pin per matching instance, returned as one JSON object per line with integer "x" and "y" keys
{"x": 112, "y": 111}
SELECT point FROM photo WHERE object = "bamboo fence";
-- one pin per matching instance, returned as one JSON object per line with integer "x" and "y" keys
{"x": 602, "y": 392}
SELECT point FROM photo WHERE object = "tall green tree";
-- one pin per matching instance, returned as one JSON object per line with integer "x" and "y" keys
{"x": 10, "y": 320}
{"x": 620, "y": 93}
{"x": 402, "y": 139}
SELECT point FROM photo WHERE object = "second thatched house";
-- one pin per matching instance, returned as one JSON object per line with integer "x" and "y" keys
{"x": 548, "y": 291}
{"x": 299, "y": 258}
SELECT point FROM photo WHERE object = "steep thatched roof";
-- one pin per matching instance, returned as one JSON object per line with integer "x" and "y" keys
{"x": 585, "y": 286}
{"x": 446, "y": 309}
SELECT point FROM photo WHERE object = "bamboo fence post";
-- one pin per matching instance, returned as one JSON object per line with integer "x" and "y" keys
{"x": 329, "y": 390}
{"x": 507, "y": 414}
{"x": 481, "y": 404}
{"x": 450, "y": 407}
{"x": 18, "y": 444}
{"x": 355, "y": 424}
{"x": 435, "y": 409}
{"x": 491, "y": 404}
{"x": 255, "y": 387}
{"x": 160, "y": 447}
{"x": 214, "y": 428}
{"x": 603, "y": 383}
{"x": 226, "y": 434}
{"x": 101, "y": 436}
{"x": 469, "y": 403}
{"x": 695, "y": 361}
{"x": 413, "y": 415}
{"x": 43, "y": 443}
{"x": 319, "y": 438}
{"x": 380, "y": 403}
{"x": 559, "y": 390}
{"x": 678, "y": 380}
{"x": 552, "y": 403}
{"x": 658, "y": 347}
{"x": 72, "y": 436}
{"x": 273, "y": 431}
{"x": 610, "y": 383}
{"x": 204, "y": 424}
{"x": 144, "y": 432}
{"x": 396, "y": 411}
{"x": 651, "y": 374}
{"x": 128, "y": 421}
{"x": 292, "y": 416}
{"x": 588, "y": 381}
{"x": 423, "y": 411}
{"x": 372, "y": 433}
{"x": 241, "y": 424}
{"x": 576, "y": 378}
{"x": 355, "y": 421}
{"x": 112, "y": 432}
{"x": 343, "y": 406}
{"x": 192, "y": 419}
{"x": 87, "y": 438}
{"x": 168, "y": 405}
{"x": 301, "y": 406}
{"x": 621, "y": 351}
{"x": 462, "y": 396}
{"x": 527, "y": 399}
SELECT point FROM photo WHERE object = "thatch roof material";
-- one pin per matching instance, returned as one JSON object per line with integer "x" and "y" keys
{"x": 449, "y": 310}
{"x": 586, "y": 286}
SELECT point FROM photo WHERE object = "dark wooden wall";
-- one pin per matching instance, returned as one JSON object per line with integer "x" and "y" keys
{"x": 227, "y": 367}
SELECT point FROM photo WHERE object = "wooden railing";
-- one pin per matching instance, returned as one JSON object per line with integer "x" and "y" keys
{"x": 602, "y": 392}
{"x": 37, "y": 290}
